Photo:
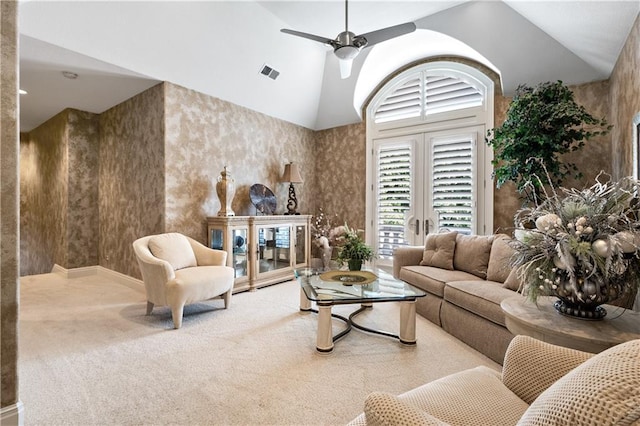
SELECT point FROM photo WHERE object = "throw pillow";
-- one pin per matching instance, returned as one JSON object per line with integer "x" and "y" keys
{"x": 439, "y": 249}
{"x": 381, "y": 408}
{"x": 513, "y": 280}
{"x": 173, "y": 248}
{"x": 472, "y": 254}
{"x": 498, "y": 269}
{"x": 604, "y": 390}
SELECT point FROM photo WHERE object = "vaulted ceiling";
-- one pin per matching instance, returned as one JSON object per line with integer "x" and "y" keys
{"x": 120, "y": 48}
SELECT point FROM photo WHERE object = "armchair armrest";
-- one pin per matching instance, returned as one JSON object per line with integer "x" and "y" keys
{"x": 153, "y": 268}
{"x": 531, "y": 366}
{"x": 206, "y": 256}
{"x": 406, "y": 256}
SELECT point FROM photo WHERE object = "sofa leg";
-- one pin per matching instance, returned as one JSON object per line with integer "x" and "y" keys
{"x": 149, "y": 308}
{"x": 176, "y": 314}
{"x": 227, "y": 298}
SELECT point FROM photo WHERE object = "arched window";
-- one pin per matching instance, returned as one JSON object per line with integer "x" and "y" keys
{"x": 429, "y": 166}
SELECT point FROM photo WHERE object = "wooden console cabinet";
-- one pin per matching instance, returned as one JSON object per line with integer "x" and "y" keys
{"x": 262, "y": 250}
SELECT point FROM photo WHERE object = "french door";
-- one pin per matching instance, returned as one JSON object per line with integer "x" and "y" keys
{"x": 425, "y": 182}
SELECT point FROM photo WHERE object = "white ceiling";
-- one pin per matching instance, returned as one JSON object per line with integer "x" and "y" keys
{"x": 120, "y": 48}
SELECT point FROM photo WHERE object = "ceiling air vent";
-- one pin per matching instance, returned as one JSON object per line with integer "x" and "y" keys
{"x": 269, "y": 72}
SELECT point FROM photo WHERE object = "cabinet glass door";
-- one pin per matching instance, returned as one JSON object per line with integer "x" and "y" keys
{"x": 301, "y": 245}
{"x": 274, "y": 248}
{"x": 239, "y": 251}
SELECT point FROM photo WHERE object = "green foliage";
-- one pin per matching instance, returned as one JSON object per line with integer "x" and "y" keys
{"x": 542, "y": 122}
{"x": 353, "y": 247}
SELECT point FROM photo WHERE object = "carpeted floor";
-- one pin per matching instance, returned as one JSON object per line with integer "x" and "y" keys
{"x": 89, "y": 356}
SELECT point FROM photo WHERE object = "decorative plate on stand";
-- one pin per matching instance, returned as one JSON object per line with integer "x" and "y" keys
{"x": 349, "y": 277}
{"x": 263, "y": 199}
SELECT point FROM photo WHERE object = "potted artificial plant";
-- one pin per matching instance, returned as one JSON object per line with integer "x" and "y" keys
{"x": 353, "y": 249}
{"x": 542, "y": 122}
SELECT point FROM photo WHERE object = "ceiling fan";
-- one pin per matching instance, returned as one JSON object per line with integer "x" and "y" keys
{"x": 347, "y": 45}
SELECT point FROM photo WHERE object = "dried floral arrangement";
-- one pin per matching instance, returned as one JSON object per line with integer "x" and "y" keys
{"x": 581, "y": 245}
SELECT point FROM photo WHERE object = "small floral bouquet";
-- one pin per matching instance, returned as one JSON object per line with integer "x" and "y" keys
{"x": 322, "y": 229}
{"x": 581, "y": 246}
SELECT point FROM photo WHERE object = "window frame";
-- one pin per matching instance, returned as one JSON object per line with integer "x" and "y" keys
{"x": 475, "y": 116}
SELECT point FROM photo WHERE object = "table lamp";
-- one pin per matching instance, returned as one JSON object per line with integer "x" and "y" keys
{"x": 291, "y": 175}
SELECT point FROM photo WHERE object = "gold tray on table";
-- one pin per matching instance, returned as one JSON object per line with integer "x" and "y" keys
{"x": 349, "y": 277}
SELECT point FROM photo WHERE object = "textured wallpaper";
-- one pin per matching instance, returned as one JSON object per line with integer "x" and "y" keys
{"x": 82, "y": 215}
{"x": 44, "y": 169}
{"x": 625, "y": 101}
{"x": 9, "y": 222}
{"x": 59, "y": 193}
{"x": 340, "y": 164}
{"x": 204, "y": 134}
{"x": 132, "y": 177}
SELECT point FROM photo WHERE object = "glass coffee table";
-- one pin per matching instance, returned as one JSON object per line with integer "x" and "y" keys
{"x": 332, "y": 288}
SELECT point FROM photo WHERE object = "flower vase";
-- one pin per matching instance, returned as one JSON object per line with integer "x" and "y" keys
{"x": 327, "y": 253}
{"x": 582, "y": 299}
{"x": 225, "y": 188}
{"x": 355, "y": 264}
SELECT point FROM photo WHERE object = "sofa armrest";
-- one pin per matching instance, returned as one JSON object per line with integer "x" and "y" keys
{"x": 206, "y": 256}
{"x": 531, "y": 366}
{"x": 381, "y": 408}
{"x": 406, "y": 256}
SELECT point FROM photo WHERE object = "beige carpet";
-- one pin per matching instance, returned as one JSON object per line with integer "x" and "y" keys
{"x": 90, "y": 356}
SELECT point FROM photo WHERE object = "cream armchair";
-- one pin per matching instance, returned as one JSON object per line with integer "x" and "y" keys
{"x": 178, "y": 270}
{"x": 540, "y": 384}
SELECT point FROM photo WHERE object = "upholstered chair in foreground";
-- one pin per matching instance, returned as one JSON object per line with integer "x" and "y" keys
{"x": 178, "y": 270}
{"x": 540, "y": 384}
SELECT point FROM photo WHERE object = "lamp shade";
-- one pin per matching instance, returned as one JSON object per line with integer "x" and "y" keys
{"x": 291, "y": 174}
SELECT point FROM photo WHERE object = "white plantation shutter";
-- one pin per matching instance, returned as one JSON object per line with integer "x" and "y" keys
{"x": 394, "y": 196}
{"x": 404, "y": 102}
{"x": 448, "y": 93}
{"x": 427, "y": 93}
{"x": 452, "y": 182}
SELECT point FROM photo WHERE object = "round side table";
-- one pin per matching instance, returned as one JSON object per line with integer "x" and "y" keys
{"x": 543, "y": 322}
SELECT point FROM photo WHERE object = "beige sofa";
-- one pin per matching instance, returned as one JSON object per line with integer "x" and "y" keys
{"x": 465, "y": 277}
{"x": 540, "y": 384}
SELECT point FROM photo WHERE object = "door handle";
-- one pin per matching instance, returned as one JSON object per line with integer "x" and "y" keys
{"x": 417, "y": 226}
{"x": 426, "y": 227}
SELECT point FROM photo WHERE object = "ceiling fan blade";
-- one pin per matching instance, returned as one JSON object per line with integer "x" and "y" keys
{"x": 320, "y": 39}
{"x": 383, "y": 34}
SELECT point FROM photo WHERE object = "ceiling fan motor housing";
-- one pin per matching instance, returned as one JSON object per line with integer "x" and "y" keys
{"x": 348, "y": 45}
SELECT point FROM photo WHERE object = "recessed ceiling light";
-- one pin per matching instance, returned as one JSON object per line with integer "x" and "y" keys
{"x": 70, "y": 75}
{"x": 22, "y": 92}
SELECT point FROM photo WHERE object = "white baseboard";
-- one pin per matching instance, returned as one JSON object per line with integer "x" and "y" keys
{"x": 12, "y": 415}
{"x": 85, "y": 271}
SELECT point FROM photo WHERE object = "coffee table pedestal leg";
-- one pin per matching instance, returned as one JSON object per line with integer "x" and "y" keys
{"x": 408, "y": 322}
{"x": 305, "y": 304}
{"x": 324, "y": 341}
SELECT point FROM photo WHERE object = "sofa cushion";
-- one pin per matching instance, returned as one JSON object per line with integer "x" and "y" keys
{"x": 439, "y": 249}
{"x": 513, "y": 280}
{"x": 463, "y": 398}
{"x": 603, "y": 390}
{"x": 173, "y": 248}
{"x": 432, "y": 279}
{"x": 501, "y": 252}
{"x": 481, "y": 298}
{"x": 472, "y": 254}
{"x": 384, "y": 409}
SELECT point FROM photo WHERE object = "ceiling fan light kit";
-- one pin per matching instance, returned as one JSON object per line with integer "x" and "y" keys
{"x": 347, "y": 45}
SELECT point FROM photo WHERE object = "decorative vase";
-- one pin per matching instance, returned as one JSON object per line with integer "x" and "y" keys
{"x": 582, "y": 298}
{"x": 355, "y": 264}
{"x": 580, "y": 310}
{"x": 225, "y": 188}
{"x": 327, "y": 252}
